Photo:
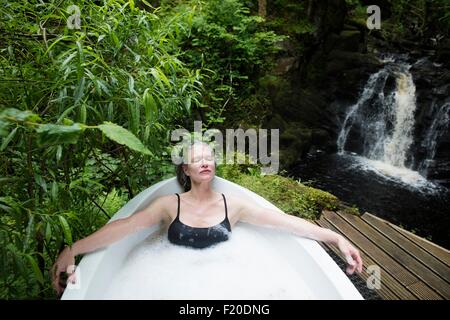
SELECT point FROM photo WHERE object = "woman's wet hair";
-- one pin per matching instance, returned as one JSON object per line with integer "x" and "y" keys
{"x": 183, "y": 179}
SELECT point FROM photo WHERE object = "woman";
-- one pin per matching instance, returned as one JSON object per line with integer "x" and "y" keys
{"x": 205, "y": 218}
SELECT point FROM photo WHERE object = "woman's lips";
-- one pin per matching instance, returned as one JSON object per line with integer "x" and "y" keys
{"x": 206, "y": 171}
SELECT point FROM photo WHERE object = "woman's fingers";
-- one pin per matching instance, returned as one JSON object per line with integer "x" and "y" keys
{"x": 351, "y": 268}
{"x": 72, "y": 278}
{"x": 56, "y": 284}
{"x": 356, "y": 258}
{"x": 352, "y": 257}
{"x": 54, "y": 274}
{"x": 359, "y": 262}
{"x": 350, "y": 263}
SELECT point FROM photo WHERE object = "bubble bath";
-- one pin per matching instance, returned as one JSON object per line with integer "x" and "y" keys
{"x": 246, "y": 266}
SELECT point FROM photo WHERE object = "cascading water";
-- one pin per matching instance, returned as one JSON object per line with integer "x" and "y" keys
{"x": 441, "y": 120}
{"x": 383, "y": 120}
{"x": 397, "y": 144}
{"x": 393, "y": 138}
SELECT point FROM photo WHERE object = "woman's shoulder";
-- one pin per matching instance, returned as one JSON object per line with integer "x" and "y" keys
{"x": 235, "y": 201}
{"x": 168, "y": 200}
{"x": 166, "y": 203}
{"x": 237, "y": 198}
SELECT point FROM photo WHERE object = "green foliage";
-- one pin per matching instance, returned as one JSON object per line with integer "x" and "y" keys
{"x": 289, "y": 195}
{"x": 291, "y": 19}
{"x": 231, "y": 47}
{"x": 417, "y": 19}
{"x": 83, "y": 115}
{"x": 58, "y": 134}
{"x": 123, "y": 136}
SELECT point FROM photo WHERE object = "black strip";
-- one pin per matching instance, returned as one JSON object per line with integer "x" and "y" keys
{"x": 178, "y": 210}
{"x": 225, "y": 201}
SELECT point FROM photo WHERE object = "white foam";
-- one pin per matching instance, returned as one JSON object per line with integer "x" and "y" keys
{"x": 244, "y": 267}
{"x": 397, "y": 174}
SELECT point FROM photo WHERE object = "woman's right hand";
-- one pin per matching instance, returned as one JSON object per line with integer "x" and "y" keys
{"x": 64, "y": 263}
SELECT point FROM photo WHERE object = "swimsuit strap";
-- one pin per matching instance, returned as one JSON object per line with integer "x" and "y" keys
{"x": 178, "y": 210}
{"x": 226, "y": 211}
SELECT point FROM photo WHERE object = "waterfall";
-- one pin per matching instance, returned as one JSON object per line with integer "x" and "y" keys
{"x": 441, "y": 119}
{"x": 375, "y": 81}
{"x": 382, "y": 122}
{"x": 397, "y": 144}
{"x": 386, "y": 119}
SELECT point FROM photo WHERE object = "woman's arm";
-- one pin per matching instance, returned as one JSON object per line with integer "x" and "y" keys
{"x": 271, "y": 218}
{"x": 105, "y": 236}
{"x": 118, "y": 229}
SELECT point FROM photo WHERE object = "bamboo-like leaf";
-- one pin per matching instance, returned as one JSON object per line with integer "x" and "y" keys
{"x": 187, "y": 104}
{"x": 66, "y": 229}
{"x": 8, "y": 139}
{"x": 79, "y": 91}
{"x": 164, "y": 78}
{"x": 115, "y": 39}
{"x": 54, "y": 190}
{"x": 80, "y": 54}
{"x": 29, "y": 230}
{"x": 35, "y": 268}
{"x": 72, "y": 215}
{"x": 103, "y": 87}
{"x": 58, "y": 134}
{"x": 48, "y": 232}
{"x": 68, "y": 59}
{"x": 65, "y": 113}
{"x": 150, "y": 106}
{"x": 4, "y": 127}
{"x": 13, "y": 114}
{"x": 41, "y": 182}
{"x": 55, "y": 43}
{"x": 58, "y": 153}
{"x": 146, "y": 133}
{"x": 123, "y": 136}
{"x": 157, "y": 77}
{"x": 11, "y": 203}
{"x": 83, "y": 113}
{"x": 131, "y": 85}
{"x": 135, "y": 116}
{"x": 110, "y": 115}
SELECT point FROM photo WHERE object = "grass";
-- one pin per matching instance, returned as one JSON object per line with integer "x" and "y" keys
{"x": 290, "y": 195}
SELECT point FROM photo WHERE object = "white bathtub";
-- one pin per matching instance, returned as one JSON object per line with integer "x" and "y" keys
{"x": 320, "y": 272}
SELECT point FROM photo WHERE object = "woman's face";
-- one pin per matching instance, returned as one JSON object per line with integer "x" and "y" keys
{"x": 201, "y": 166}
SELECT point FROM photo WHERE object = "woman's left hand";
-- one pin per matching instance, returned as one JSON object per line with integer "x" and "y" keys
{"x": 351, "y": 254}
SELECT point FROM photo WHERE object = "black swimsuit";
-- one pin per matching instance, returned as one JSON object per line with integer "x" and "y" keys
{"x": 182, "y": 234}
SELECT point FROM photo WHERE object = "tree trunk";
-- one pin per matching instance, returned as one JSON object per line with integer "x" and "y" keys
{"x": 262, "y": 4}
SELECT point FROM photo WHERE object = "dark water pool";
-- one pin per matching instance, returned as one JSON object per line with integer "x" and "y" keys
{"x": 417, "y": 205}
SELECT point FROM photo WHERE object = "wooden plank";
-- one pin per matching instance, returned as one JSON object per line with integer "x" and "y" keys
{"x": 438, "y": 252}
{"x": 421, "y": 289}
{"x": 391, "y": 288}
{"x": 382, "y": 258}
{"x": 427, "y": 259}
{"x": 385, "y": 292}
{"x": 401, "y": 256}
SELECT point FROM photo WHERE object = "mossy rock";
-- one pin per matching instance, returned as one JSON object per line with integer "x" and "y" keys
{"x": 272, "y": 82}
{"x": 295, "y": 131}
{"x": 288, "y": 194}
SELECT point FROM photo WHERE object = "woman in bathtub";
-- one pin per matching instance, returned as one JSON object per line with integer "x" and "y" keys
{"x": 199, "y": 218}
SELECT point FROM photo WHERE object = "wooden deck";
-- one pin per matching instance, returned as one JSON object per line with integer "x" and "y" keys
{"x": 412, "y": 268}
